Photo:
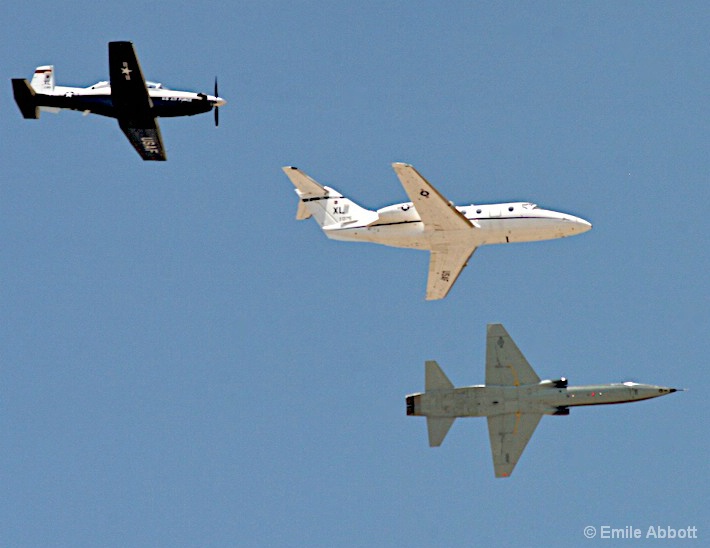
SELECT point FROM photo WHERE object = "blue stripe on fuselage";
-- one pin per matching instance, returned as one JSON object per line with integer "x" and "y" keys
{"x": 103, "y": 105}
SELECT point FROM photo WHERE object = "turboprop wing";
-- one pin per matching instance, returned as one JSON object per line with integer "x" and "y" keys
{"x": 133, "y": 105}
{"x": 438, "y": 214}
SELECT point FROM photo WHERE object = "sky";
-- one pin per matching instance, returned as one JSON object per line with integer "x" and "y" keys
{"x": 182, "y": 363}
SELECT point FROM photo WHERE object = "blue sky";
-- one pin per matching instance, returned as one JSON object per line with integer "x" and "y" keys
{"x": 184, "y": 364}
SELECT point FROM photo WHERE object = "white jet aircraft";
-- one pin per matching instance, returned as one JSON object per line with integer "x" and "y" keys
{"x": 430, "y": 221}
{"x": 135, "y": 103}
{"x": 514, "y": 399}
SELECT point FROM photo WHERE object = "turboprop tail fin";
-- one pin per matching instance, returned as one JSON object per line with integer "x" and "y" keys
{"x": 43, "y": 79}
{"x": 327, "y": 206}
{"x": 26, "y": 93}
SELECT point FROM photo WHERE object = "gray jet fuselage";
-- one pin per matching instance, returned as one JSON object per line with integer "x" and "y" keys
{"x": 513, "y": 399}
{"x": 546, "y": 397}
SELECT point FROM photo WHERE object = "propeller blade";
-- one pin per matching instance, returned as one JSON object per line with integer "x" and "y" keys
{"x": 216, "y": 109}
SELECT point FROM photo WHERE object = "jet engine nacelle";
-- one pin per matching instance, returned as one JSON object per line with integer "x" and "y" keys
{"x": 398, "y": 213}
{"x": 561, "y": 411}
{"x": 559, "y": 383}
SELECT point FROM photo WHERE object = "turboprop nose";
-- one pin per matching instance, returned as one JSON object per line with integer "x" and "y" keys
{"x": 216, "y": 101}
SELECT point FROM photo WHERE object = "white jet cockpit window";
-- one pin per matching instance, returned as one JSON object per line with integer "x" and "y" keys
{"x": 154, "y": 85}
{"x": 529, "y": 206}
{"x": 98, "y": 85}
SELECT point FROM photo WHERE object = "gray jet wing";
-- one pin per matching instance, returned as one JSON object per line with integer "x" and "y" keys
{"x": 509, "y": 434}
{"x": 505, "y": 363}
{"x": 132, "y": 104}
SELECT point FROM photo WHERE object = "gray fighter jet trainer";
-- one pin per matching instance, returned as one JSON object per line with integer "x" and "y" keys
{"x": 513, "y": 399}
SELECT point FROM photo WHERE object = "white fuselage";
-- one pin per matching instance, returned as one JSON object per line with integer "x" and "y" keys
{"x": 544, "y": 398}
{"x": 399, "y": 225}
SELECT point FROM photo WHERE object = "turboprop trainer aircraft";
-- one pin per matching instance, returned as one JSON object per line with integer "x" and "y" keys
{"x": 430, "y": 221}
{"x": 513, "y": 399}
{"x": 135, "y": 103}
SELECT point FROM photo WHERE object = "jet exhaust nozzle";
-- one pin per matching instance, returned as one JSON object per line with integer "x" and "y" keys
{"x": 413, "y": 405}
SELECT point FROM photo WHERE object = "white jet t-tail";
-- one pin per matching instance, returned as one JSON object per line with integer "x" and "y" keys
{"x": 514, "y": 399}
{"x": 430, "y": 221}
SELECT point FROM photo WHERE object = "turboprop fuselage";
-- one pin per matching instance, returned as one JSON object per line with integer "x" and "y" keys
{"x": 97, "y": 99}
{"x": 400, "y": 225}
{"x": 546, "y": 398}
{"x": 135, "y": 103}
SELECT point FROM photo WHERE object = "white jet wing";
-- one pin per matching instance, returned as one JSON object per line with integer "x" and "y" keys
{"x": 435, "y": 211}
{"x": 505, "y": 363}
{"x": 438, "y": 215}
{"x": 509, "y": 434}
{"x": 445, "y": 265}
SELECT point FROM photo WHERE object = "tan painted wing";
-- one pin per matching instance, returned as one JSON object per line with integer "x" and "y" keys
{"x": 509, "y": 434}
{"x": 505, "y": 363}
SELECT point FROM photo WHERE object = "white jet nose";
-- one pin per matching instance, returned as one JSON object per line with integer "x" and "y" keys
{"x": 580, "y": 225}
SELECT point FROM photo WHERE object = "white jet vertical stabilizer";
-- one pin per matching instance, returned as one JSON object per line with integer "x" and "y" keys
{"x": 327, "y": 206}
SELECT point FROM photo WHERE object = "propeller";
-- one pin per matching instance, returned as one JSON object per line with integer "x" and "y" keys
{"x": 216, "y": 108}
